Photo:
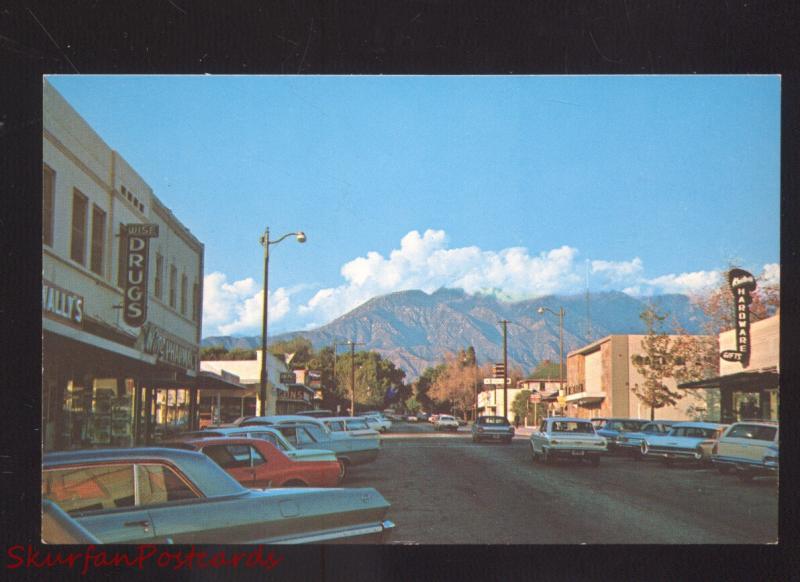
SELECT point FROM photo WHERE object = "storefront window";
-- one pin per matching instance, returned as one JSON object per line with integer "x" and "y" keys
{"x": 171, "y": 412}
{"x": 98, "y": 416}
{"x": 746, "y": 405}
{"x": 773, "y": 396}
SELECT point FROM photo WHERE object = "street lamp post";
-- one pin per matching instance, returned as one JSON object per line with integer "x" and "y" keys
{"x": 505, "y": 367}
{"x": 265, "y": 242}
{"x": 560, "y": 313}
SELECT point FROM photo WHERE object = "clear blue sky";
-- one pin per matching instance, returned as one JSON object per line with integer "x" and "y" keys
{"x": 681, "y": 174}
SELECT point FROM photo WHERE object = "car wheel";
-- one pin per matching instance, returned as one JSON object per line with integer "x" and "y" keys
{"x": 723, "y": 469}
{"x": 342, "y": 469}
{"x": 643, "y": 449}
{"x": 698, "y": 455}
{"x": 595, "y": 460}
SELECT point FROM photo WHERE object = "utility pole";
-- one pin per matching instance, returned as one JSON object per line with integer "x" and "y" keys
{"x": 505, "y": 368}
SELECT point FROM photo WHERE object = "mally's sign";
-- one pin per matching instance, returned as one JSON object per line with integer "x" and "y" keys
{"x": 742, "y": 285}
{"x": 136, "y": 238}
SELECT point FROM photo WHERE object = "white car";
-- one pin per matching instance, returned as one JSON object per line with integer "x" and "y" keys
{"x": 688, "y": 441}
{"x": 445, "y": 422}
{"x": 377, "y": 422}
{"x": 353, "y": 425}
{"x": 573, "y": 438}
{"x": 750, "y": 447}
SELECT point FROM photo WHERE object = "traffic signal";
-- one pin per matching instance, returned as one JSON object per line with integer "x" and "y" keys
{"x": 499, "y": 370}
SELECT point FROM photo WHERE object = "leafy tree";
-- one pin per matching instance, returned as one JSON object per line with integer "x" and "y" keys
{"x": 454, "y": 386}
{"x": 219, "y": 352}
{"x": 374, "y": 376}
{"x": 240, "y": 354}
{"x": 299, "y": 346}
{"x": 213, "y": 352}
{"x": 520, "y": 405}
{"x": 424, "y": 384}
{"x": 412, "y": 405}
{"x": 656, "y": 364}
{"x": 546, "y": 369}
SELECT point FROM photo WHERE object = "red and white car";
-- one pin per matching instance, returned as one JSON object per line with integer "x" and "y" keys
{"x": 258, "y": 464}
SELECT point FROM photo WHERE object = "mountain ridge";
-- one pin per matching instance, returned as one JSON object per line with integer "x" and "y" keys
{"x": 415, "y": 329}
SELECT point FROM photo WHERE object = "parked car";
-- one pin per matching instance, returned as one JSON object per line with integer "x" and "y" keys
{"x": 350, "y": 450}
{"x": 267, "y": 433}
{"x": 631, "y": 442}
{"x": 161, "y": 495}
{"x": 352, "y": 425}
{"x": 423, "y": 416}
{"x": 377, "y": 422}
{"x": 611, "y": 428}
{"x": 496, "y": 428}
{"x": 446, "y": 422}
{"x": 317, "y": 413}
{"x": 690, "y": 441}
{"x": 750, "y": 447}
{"x": 259, "y": 464}
{"x": 574, "y": 438}
{"x": 599, "y": 422}
{"x": 433, "y": 418}
{"x": 412, "y": 418}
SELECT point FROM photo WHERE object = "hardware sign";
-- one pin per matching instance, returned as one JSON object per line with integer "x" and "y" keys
{"x": 742, "y": 284}
{"x": 136, "y": 238}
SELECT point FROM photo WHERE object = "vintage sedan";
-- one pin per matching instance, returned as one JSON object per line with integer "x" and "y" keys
{"x": 352, "y": 425}
{"x": 161, "y": 495}
{"x": 564, "y": 437}
{"x": 631, "y": 442}
{"x": 749, "y": 447}
{"x": 612, "y": 428}
{"x": 349, "y": 450}
{"x": 257, "y": 463}
{"x": 377, "y": 422}
{"x": 492, "y": 428}
{"x": 266, "y": 433}
{"x": 688, "y": 441}
{"x": 446, "y": 422}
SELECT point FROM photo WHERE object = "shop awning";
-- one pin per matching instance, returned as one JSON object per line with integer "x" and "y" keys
{"x": 308, "y": 389}
{"x": 765, "y": 377}
{"x": 207, "y": 380}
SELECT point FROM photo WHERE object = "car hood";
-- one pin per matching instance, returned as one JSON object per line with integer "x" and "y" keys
{"x": 311, "y": 455}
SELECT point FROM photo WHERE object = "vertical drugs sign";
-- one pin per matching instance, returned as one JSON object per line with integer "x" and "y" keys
{"x": 136, "y": 238}
{"x": 742, "y": 285}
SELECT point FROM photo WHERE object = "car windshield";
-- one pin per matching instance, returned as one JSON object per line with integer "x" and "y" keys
{"x": 572, "y": 426}
{"x": 497, "y": 420}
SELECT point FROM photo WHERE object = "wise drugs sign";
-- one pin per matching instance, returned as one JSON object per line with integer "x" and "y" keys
{"x": 136, "y": 238}
{"x": 742, "y": 285}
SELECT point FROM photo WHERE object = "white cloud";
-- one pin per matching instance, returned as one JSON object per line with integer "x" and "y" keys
{"x": 771, "y": 274}
{"x": 424, "y": 262}
{"x": 685, "y": 283}
{"x": 230, "y": 308}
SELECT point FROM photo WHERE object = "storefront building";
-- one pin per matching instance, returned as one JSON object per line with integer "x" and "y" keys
{"x": 229, "y": 403}
{"x": 748, "y": 391}
{"x": 490, "y": 400}
{"x": 601, "y": 378}
{"x": 121, "y": 296}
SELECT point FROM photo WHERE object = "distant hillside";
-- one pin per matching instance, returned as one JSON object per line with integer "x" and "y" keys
{"x": 415, "y": 330}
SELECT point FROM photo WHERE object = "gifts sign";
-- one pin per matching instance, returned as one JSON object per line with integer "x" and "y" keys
{"x": 742, "y": 285}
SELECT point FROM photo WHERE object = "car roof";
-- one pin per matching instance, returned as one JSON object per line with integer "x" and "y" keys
{"x": 208, "y": 476}
{"x": 568, "y": 419}
{"x": 227, "y": 441}
{"x": 758, "y": 422}
{"x": 697, "y": 424}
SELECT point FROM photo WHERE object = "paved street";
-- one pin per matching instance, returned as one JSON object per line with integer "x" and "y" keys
{"x": 446, "y": 490}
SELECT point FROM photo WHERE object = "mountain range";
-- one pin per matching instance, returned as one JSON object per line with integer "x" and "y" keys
{"x": 416, "y": 330}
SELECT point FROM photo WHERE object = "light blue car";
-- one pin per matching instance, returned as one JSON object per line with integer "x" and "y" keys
{"x": 688, "y": 441}
{"x": 631, "y": 442}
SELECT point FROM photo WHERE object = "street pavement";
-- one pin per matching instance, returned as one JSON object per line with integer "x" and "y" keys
{"x": 444, "y": 489}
